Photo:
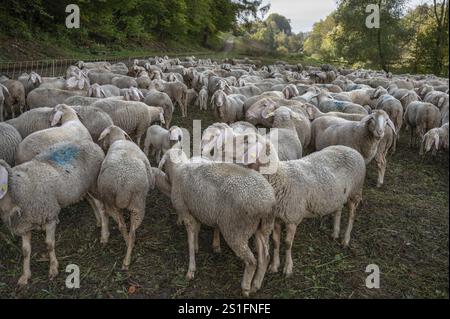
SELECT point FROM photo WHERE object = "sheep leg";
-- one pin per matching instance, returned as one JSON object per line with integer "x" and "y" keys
{"x": 352, "y": 209}
{"x": 135, "y": 222}
{"x": 50, "y": 242}
{"x": 262, "y": 243}
{"x": 197, "y": 231}
{"x": 290, "y": 234}
{"x": 216, "y": 241}
{"x": 380, "y": 159}
{"x": 239, "y": 244}
{"x": 276, "y": 236}
{"x": 337, "y": 224}
{"x": 26, "y": 251}
{"x": 190, "y": 225}
{"x": 95, "y": 204}
{"x": 105, "y": 228}
{"x": 411, "y": 137}
{"x": 118, "y": 218}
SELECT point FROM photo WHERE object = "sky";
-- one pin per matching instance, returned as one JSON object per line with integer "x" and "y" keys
{"x": 304, "y": 13}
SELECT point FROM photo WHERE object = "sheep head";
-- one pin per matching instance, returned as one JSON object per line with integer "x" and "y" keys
{"x": 112, "y": 134}
{"x": 430, "y": 142}
{"x": 133, "y": 94}
{"x": 62, "y": 113}
{"x": 376, "y": 123}
{"x": 95, "y": 90}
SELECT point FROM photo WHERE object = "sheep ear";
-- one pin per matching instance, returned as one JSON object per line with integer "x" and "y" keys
{"x": 102, "y": 92}
{"x": 56, "y": 118}
{"x": 266, "y": 114}
{"x": 105, "y": 133}
{"x": 3, "y": 181}
{"x": 127, "y": 137}
{"x": 391, "y": 125}
{"x": 310, "y": 111}
{"x": 440, "y": 102}
{"x": 5, "y": 90}
{"x": 436, "y": 141}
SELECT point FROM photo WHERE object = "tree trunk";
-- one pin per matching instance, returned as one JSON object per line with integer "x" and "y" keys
{"x": 383, "y": 64}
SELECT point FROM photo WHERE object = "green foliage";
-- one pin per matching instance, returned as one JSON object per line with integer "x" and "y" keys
{"x": 123, "y": 22}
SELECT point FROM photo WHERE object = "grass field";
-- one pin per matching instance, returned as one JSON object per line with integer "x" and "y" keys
{"x": 402, "y": 227}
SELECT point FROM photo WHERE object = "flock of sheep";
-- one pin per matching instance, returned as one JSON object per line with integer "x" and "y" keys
{"x": 93, "y": 133}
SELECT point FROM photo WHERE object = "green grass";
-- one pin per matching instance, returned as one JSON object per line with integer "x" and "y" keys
{"x": 402, "y": 227}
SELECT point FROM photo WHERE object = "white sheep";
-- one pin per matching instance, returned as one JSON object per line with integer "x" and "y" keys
{"x": 123, "y": 183}
{"x": 32, "y": 194}
{"x": 159, "y": 140}
{"x": 71, "y": 130}
{"x": 240, "y": 206}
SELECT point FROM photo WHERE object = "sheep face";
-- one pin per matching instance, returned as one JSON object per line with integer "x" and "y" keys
{"x": 96, "y": 90}
{"x": 376, "y": 123}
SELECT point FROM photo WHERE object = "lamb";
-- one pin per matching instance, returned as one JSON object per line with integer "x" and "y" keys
{"x": 202, "y": 100}
{"x": 435, "y": 140}
{"x": 132, "y": 117}
{"x": 316, "y": 185}
{"x": 228, "y": 108}
{"x": 419, "y": 118}
{"x": 363, "y": 136}
{"x": 160, "y": 140}
{"x": 241, "y": 206}
{"x": 71, "y": 130}
{"x": 123, "y": 183}
{"x": 9, "y": 140}
{"x": 32, "y": 194}
{"x": 44, "y": 97}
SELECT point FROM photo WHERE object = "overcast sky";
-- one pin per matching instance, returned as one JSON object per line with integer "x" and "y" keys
{"x": 304, "y": 13}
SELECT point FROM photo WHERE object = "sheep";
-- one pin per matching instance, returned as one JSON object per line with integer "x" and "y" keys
{"x": 440, "y": 100}
{"x": 202, "y": 100}
{"x": 30, "y": 81}
{"x": 132, "y": 94}
{"x": 419, "y": 118}
{"x": 124, "y": 82}
{"x": 157, "y": 98}
{"x": 9, "y": 140}
{"x": 44, "y": 97}
{"x": 363, "y": 136}
{"x": 15, "y": 100}
{"x": 71, "y": 130}
{"x": 316, "y": 185}
{"x": 405, "y": 96}
{"x": 86, "y": 101}
{"x": 32, "y": 121}
{"x": 240, "y": 206}
{"x": 191, "y": 97}
{"x": 123, "y": 183}
{"x": 228, "y": 108}
{"x": 32, "y": 194}
{"x": 284, "y": 133}
{"x": 94, "y": 119}
{"x": 313, "y": 113}
{"x": 326, "y": 103}
{"x": 177, "y": 92}
{"x": 100, "y": 91}
{"x": 242, "y": 127}
{"x": 132, "y": 117}
{"x": 394, "y": 109}
{"x": 302, "y": 125}
{"x": 159, "y": 140}
{"x": 435, "y": 140}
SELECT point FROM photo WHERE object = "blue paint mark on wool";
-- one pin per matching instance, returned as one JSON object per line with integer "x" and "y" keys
{"x": 339, "y": 105}
{"x": 64, "y": 155}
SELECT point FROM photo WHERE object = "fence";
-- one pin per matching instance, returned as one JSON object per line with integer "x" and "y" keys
{"x": 58, "y": 67}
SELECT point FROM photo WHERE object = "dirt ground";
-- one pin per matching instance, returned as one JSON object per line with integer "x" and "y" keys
{"x": 402, "y": 228}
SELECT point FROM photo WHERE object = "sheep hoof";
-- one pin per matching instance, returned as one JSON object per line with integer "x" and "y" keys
{"x": 287, "y": 271}
{"x": 273, "y": 268}
{"x": 246, "y": 293}
{"x": 217, "y": 250}
{"x": 345, "y": 243}
{"x": 125, "y": 267}
{"x": 190, "y": 275}
{"x": 53, "y": 273}
{"x": 23, "y": 281}
{"x": 255, "y": 287}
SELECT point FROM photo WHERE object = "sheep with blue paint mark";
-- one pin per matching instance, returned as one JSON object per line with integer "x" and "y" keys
{"x": 71, "y": 130}
{"x": 32, "y": 194}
